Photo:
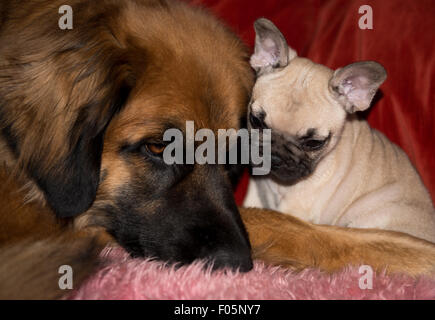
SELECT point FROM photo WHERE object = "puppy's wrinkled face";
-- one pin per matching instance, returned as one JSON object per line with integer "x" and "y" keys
{"x": 306, "y": 121}
{"x": 305, "y": 104}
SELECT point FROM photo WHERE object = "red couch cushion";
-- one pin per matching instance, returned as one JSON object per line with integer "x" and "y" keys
{"x": 327, "y": 32}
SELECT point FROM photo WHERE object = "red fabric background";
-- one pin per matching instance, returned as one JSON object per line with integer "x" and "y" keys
{"x": 327, "y": 32}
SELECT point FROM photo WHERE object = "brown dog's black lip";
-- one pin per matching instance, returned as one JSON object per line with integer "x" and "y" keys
{"x": 240, "y": 261}
{"x": 234, "y": 254}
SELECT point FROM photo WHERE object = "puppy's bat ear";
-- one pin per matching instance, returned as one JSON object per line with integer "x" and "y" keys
{"x": 355, "y": 85}
{"x": 271, "y": 49}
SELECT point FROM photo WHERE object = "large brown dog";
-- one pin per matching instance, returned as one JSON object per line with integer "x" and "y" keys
{"x": 82, "y": 115}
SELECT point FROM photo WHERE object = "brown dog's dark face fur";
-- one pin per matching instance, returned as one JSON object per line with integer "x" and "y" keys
{"x": 81, "y": 108}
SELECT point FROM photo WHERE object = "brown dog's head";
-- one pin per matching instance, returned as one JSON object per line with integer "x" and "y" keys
{"x": 84, "y": 112}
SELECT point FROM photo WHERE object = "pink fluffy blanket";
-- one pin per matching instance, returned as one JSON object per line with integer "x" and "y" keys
{"x": 126, "y": 278}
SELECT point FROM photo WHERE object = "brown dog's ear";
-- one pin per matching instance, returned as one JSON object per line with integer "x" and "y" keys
{"x": 271, "y": 49}
{"x": 70, "y": 184}
{"x": 356, "y": 84}
{"x": 58, "y": 93}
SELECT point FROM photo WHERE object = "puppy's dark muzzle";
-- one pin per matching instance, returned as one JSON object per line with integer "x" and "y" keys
{"x": 257, "y": 120}
{"x": 288, "y": 169}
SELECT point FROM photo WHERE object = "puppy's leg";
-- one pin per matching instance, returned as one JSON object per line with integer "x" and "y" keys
{"x": 284, "y": 240}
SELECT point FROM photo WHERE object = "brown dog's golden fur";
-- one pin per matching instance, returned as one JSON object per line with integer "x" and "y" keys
{"x": 33, "y": 245}
{"x": 76, "y": 109}
{"x": 287, "y": 241}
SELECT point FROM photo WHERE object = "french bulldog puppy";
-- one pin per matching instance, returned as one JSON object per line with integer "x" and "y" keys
{"x": 328, "y": 166}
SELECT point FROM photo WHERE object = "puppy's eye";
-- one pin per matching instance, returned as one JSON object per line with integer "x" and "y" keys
{"x": 156, "y": 149}
{"x": 313, "y": 144}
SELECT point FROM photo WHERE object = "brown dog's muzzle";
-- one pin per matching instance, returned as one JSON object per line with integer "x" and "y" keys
{"x": 188, "y": 215}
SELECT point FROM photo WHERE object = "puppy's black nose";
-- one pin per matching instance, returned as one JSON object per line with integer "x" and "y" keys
{"x": 257, "y": 120}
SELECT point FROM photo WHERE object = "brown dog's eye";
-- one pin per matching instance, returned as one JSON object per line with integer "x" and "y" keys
{"x": 155, "y": 148}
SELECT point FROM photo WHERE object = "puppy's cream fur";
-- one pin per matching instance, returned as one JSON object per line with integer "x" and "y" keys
{"x": 361, "y": 179}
